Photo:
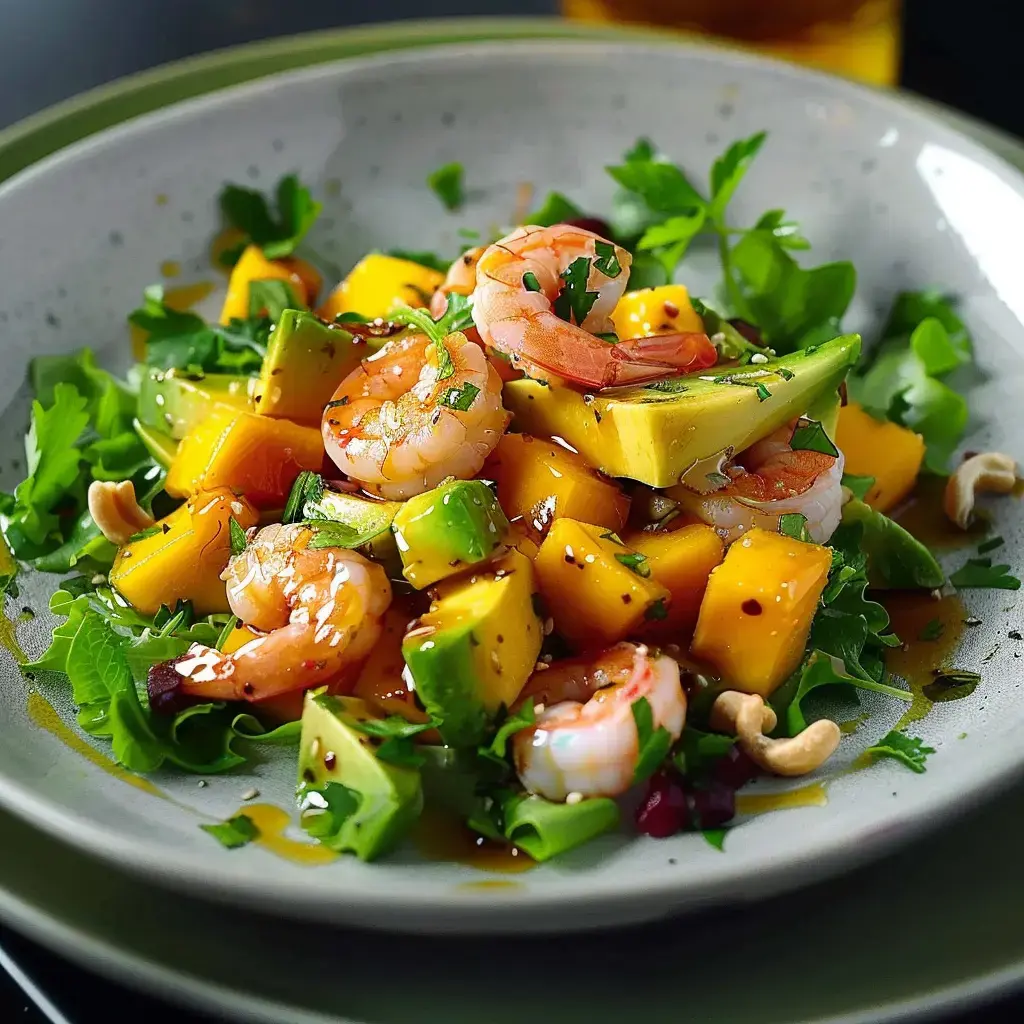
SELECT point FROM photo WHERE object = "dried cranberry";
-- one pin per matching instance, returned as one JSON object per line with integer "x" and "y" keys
{"x": 663, "y": 811}
{"x": 735, "y": 769}
{"x": 163, "y": 684}
{"x": 595, "y": 224}
{"x": 713, "y": 806}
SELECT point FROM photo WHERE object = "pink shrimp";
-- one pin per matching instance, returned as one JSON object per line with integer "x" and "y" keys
{"x": 519, "y": 279}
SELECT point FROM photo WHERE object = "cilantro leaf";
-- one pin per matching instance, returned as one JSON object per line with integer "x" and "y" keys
{"x": 981, "y": 573}
{"x": 662, "y": 186}
{"x": 555, "y": 209}
{"x": 235, "y": 832}
{"x": 605, "y": 259}
{"x": 635, "y": 561}
{"x": 447, "y": 184}
{"x": 239, "y": 542}
{"x": 271, "y": 298}
{"x": 907, "y": 749}
{"x": 525, "y": 717}
{"x": 461, "y": 398}
{"x": 810, "y": 436}
{"x": 653, "y": 744}
{"x": 785, "y": 233}
{"x": 728, "y": 171}
{"x": 669, "y": 240}
{"x": 423, "y": 258}
{"x": 276, "y": 233}
{"x": 858, "y": 485}
{"x": 574, "y": 302}
{"x": 794, "y": 524}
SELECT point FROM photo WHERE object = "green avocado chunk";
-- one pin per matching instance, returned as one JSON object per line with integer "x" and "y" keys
{"x": 306, "y": 360}
{"x": 367, "y": 522}
{"x": 443, "y": 531}
{"x": 476, "y": 647}
{"x": 174, "y": 401}
{"x": 657, "y": 432}
{"x": 161, "y": 446}
{"x": 349, "y": 799}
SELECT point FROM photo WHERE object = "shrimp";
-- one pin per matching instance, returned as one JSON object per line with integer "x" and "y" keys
{"x": 400, "y": 427}
{"x": 320, "y": 611}
{"x": 588, "y": 743}
{"x": 519, "y": 279}
{"x": 770, "y": 480}
{"x": 461, "y": 278}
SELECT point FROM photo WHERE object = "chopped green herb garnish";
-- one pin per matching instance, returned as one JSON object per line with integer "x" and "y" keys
{"x": 990, "y": 545}
{"x": 657, "y": 612}
{"x": 149, "y": 531}
{"x": 858, "y": 485}
{"x": 793, "y": 524}
{"x": 446, "y": 183}
{"x": 810, "y": 436}
{"x": 605, "y": 259}
{"x": 460, "y": 398}
{"x": 653, "y": 744}
{"x": 635, "y": 561}
{"x": 238, "y": 538}
{"x": 308, "y": 486}
{"x": 951, "y": 685}
{"x": 907, "y": 749}
{"x": 575, "y": 302}
{"x": 278, "y": 233}
{"x": 235, "y": 832}
{"x": 981, "y": 573}
{"x": 763, "y": 394}
{"x": 530, "y": 282}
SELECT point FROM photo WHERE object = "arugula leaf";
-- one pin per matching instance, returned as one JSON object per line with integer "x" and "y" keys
{"x": 271, "y": 298}
{"x": 858, "y": 485}
{"x": 277, "y": 235}
{"x": 447, "y": 184}
{"x": 235, "y": 832}
{"x": 251, "y": 729}
{"x": 810, "y": 436}
{"x": 895, "y": 558}
{"x": 653, "y": 744}
{"x": 555, "y": 209}
{"x": 907, "y": 749}
{"x": 981, "y": 573}
{"x": 239, "y": 542}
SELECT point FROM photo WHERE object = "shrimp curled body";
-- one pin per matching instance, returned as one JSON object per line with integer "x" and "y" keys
{"x": 320, "y": 611}
{"x": 520, "y": 277}
{"x": 588, "y": 743}
{"x": 407, "y": 417}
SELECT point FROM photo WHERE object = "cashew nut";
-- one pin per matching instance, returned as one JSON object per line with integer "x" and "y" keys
{"x": 989, "y": 472}
{"x": 747, "y": 715}
{"x": 116, "y": 511}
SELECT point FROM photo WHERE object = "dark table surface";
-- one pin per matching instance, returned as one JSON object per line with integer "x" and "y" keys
{"x": 965, "y": 56}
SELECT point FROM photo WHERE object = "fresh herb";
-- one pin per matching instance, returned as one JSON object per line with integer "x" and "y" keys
{"x": 653, "y": 744}
{"x": 278, "y": 232}
{"x": 423, "y": 258}
{"x": 981, "y": 573}
{"x": 229, "y": 627}
{"x": 530, "y": 282}
{"x": 635, "y": 561}
{"x": 763, "y": 394}
{"x": 271, "y": 298}
{"x": 729, "y": 170}
{"x": 907, "y": 749}
{"x": 460, "y": 398}
{"x": 239, "y": 542}
{"x": 932, "y": 630}
{"x": 794, "y": 524}
{"x": 249, "y": 728}
{"x": 858, "y": 485}
{"x": 715, "y": 837}
{"x": 669, "y": 241}
{"x": 810, "y": 436}
{"x": 605, "y": 259}
{"x": 149, "y": 531}
{"x": 235, "y": 832}
{"x": 669, "y": 386}
{"x": 497, "y": 749}
{"x": 458, "y": 316}
{"x": 574, "y": 302}
{"x": 657, "y": 611}
{"x": 308, "y": 487}
{"x": 397, "y": 733}
{"x": 697, "y": 751}
{"x": 951, "y": 685}
{"x": 555, "y": 209}
{"x": 447, "y": 184}
{"x": 990, "y": 545}
{"x": 894, "y": 557}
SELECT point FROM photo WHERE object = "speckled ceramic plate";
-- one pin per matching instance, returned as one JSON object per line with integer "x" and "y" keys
{"x": 911, "y": 201}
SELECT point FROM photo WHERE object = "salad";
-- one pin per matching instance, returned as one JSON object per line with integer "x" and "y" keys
{"x": 516, "y": 533}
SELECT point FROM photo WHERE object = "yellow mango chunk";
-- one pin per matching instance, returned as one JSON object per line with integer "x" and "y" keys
{"x": 252, "y": 265}
{"x": 757, "y": 611}
{"x": 379, "y": 283}
{"x": 890, "y": 453}
{"x": 681, "y": 561}
{"x": 540, "y": 481}
{"x": 252, "y": 455}
{"x": 595, "y": 598}
{"x": 184, "y": 557}
{"x": 650, "y": 311}
{"x": 238, "y": 637}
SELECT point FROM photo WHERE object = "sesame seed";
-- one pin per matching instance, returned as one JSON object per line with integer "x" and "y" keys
{"x": 758, "y": 357}
{"x": 549, "y": 626}
{"x": 201, "y": 783}
{"x": 538, "y": 708}
{"x": 251, "y": 794}
{"x": 573, "y": 798}
{"x": 540, "y": 667}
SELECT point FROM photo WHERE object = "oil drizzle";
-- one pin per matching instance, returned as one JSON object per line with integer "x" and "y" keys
{"x": 273, "y": 822}
{"x": 41, "y": 712}
{"x": 923, "y": 516}
{"x": 490, "y": 884}
{"x": 916, "y": 661}
{"x": 443, "y": 837}
{"x": 170, "y": 268}
{"x": 811, "y": 795}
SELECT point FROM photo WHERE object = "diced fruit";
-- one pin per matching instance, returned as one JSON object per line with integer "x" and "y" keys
{"x": 377, "y": 284}
{"x": 476, "y": 647}
{"x": 443, "y": 531}
{"x": 656, "y": 432}
{"x": 367, "y": 518}
{"x": 349, "y": 799}
{"x": 182, "y": 559}
{"x": 161, "y": 446}
{"x": 252, "y": 265}
{"x": 238, "y": 637}
{"x": 651, "y": 311}
{"x": 886, "y": 451}
{"x": 757, "y": 612}
{"x": 175, "y": 402}
{"x": 540, "y": 481}
{"x": 592, "y": 585}
{"x": 252, "y": 455}
{"x": 305, "y": 362}
{"x": 681, "y": 561}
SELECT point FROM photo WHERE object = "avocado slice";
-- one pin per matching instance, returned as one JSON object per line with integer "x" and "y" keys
{"x": 161, "y": 446}
{"x": 369, "y": 519}
{"x": 476, "y": 647}
{"x": 654, "y": 433}
{"x": 306, "y": 360}
{"x": 174, "y": 401}
{"x": 441, "y": 532}
{"x": 348, "y": 798}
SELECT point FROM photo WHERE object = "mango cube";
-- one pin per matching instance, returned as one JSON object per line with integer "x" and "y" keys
{"x": 650, "y": 311}
{"x": 379, "y": 283}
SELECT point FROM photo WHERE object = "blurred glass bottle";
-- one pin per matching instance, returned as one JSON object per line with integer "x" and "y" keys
{"x": 858, "y": 38}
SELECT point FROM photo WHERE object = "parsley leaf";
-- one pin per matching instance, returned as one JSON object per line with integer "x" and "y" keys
{"x": 669, "y": 240}
{"x": 981, "y": 573}
{"x": 794, "y": 524}
{"x": 810, "y": 436}
{"x": 497, "y": 749}
{"x": 423, "y": 258}
{"x": 555, "y": 209}
{"x": 653, "y": 744}
{"x": 858, "y": 485}
{"x": 460, "y": 398}
{"x": 574, "y": 302}
{"x": 276, "y": 233}
{"x": 235, "y": 832}
{"x": 271, "y": 298}
{"x": 894, "y": 557}
{"x": 662, "y": 186}
{"x": 907, "y": 749}
{"x": 447, "y": 184}
{"x": 728, "y": 171}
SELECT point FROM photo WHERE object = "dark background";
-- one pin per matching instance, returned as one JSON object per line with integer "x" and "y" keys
{"x": 963, "y": 54}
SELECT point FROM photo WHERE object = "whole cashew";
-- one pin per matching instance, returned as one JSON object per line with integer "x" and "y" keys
{"x": 747, "y": 715}
{"x": 116, "y": 511}
{"x": 989, "y": 472}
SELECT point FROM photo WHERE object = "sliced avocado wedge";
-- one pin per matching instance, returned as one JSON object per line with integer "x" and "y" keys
{"x": 174, "y": 401}
{"x": 306, "y": 360}
{"x": 476, "y": 647}
{"x": 654, "y": 433}
{"x": 349, "y": 799}
{"x": 445, "y": 530}
{"x": 161, "y": 446}
{"x": 368, "y": 519}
